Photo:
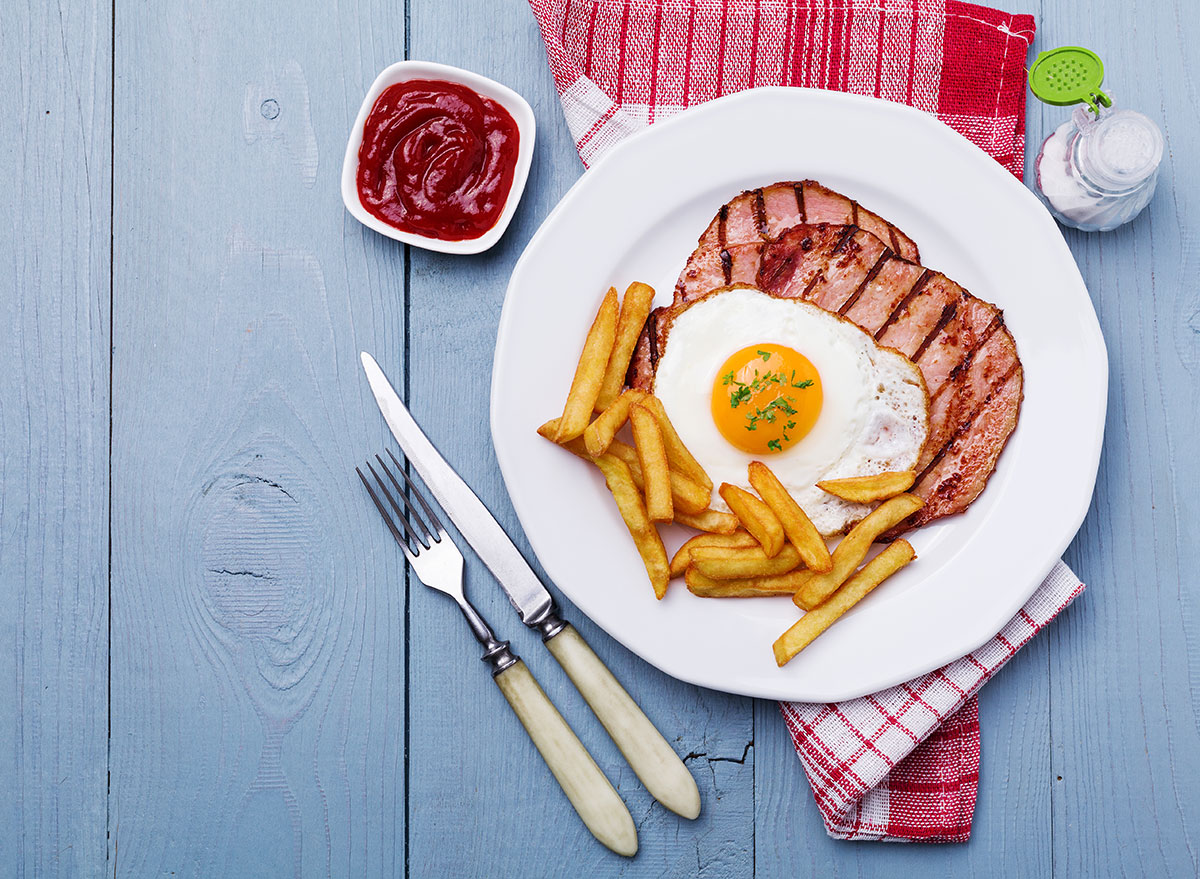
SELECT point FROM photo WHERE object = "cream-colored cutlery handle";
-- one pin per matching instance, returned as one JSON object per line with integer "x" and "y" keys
{"x": 589, "y": 791}
{"x": 651, "y": 758}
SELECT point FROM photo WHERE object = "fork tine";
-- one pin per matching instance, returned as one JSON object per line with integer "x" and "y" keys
{"x": 417, "y": 544}
{"x": 420, "y": 496}
{"x": 410, "y": 512}
{"x": 384, "y": 513}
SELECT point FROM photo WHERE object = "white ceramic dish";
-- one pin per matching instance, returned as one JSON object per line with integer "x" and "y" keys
{"x": 637, "y": 215}
{"x": 518, "y": 108}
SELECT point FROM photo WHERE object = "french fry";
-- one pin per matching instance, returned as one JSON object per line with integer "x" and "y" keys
{"x": 868, "y": 489}
{"x": 796, "y": 524}
{"x": 635, "y": 308}
{"x": 849, "y": 554}
{"x": 633, "y": 511}
{"x": 748, "y": 587}
{"x": 817, "y": 620}
{"x": 686, "y": 496}
{"x": 681, "y": 459}
{"x": 599, "y": 434}
{"x": 731, "y": 563}
{"x": 653, "y": 457}
{"x": 585, "y": 387}
{"x": 683, "y": 555}
{"x": 577, "y": 448}
{"x": 712, "y": 521}
{"x": 755, "y": 516}
{"x": 550, "y": 430}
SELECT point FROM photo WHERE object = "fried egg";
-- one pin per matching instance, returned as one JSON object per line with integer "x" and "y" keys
{"x": 746, "y": 376}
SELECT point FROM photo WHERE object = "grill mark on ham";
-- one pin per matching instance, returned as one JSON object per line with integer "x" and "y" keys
{"x": 963, "y": 365}
{"x": 846, "y": 236}
{"x": 953, "y": 402}
{"x": 652, "y": 324}
{"x": 853, "y": 212}
{"x": 867, "y": 279}
{"x": 969, "y": 461}
{"x": 726, "y": 260}
{"x": 798, "y": 188}
{"x": 760, "y": 212}
{"x": 903, "y": 303}
{"x": 801, "y": 255}
{"x": 807, "y": 294}
{"x": 948, "y": 313}
{"x": 964, "y": 426}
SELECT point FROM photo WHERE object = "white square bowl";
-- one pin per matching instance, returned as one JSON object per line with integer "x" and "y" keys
{"x": 517, "y": 107}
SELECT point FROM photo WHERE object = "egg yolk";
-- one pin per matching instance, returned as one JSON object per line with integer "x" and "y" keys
{"x": 766, "y": 398}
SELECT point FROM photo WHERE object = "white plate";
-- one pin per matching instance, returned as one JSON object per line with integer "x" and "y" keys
{"x": 636, "y": 216}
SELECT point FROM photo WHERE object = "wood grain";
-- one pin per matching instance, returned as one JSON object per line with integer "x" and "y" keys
{"x": 55, "y": 197}
{"x": 258, "y": 606}
{"x": 282, "y": 702}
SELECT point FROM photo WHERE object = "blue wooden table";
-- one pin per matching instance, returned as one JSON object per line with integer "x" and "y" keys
{"x": 213, "y": 663}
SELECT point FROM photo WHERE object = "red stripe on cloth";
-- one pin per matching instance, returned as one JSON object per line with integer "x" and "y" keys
{"x": 837, "y": 18}
{"x": 912, "y": 53}
{"x": 621, "y": 57}
{"x": 687, "y": 63}
{"x": 591, "y": 37}
{"x": 654, "y": 61}
{"x": 721, "y": 51}
{"x": 754, "y": 48}
{"x": 879, "y": 54}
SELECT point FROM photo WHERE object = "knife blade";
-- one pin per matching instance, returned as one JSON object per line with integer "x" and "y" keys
{"x": 474, "y": 520}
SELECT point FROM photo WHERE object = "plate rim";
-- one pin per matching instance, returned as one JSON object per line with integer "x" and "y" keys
{"x": 1089, "y": 324}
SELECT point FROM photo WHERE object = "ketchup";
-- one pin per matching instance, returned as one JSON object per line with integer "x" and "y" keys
{"x": 437, "y": 159}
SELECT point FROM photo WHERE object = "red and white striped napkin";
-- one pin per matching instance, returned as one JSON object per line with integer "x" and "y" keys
{"x": 902, "y": 764}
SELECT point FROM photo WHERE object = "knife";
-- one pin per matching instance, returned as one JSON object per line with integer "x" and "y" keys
{"x": 649, "y": 755}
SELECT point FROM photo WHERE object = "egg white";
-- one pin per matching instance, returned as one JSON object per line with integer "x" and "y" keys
{"x": 874, "y": 417}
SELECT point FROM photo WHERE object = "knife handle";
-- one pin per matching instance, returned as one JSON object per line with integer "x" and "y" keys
{"x": 589, "y": 791}
{"x": 651, "y": 758}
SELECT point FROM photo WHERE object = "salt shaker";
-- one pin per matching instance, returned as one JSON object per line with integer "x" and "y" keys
{"x": 1098, "y": 169}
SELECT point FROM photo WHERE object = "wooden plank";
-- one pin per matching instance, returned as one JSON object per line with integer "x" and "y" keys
{"x": 471, "y": 765}
{"x": 1126, "y": 661}
{"x": 258, "y": 605}
{"x": 55, "y": 196}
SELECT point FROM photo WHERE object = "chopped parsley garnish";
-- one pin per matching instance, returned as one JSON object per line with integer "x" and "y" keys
{"x": 741, "y": 392}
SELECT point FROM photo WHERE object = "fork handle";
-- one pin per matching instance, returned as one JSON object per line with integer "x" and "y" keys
{"x": 589, "y": 791}
{"x": 651, "y": 758}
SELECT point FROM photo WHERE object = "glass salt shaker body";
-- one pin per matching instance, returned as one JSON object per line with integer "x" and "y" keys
{"x": 1097, "y": 173}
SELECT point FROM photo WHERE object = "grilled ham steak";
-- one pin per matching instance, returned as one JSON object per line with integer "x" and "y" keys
{"x": 728, "y": 250}
{"x": 959, "y": 342}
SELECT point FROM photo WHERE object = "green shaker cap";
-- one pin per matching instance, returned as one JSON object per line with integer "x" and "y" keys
{"x": 1069, "y": 75}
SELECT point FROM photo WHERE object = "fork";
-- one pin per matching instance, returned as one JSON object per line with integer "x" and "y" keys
{"x": 438, "y": 564}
